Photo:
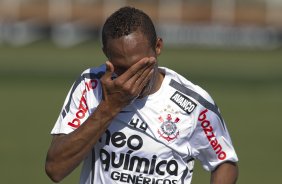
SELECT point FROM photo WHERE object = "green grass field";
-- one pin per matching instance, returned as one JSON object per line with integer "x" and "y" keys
{"x": 247, "y": 86}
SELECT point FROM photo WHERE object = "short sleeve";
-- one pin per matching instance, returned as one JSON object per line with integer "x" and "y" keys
{"x": 79, "y": 104}
{"x": 210, "y": 142}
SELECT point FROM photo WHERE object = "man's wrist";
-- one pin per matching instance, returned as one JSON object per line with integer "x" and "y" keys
{"x": 105, "y": 111}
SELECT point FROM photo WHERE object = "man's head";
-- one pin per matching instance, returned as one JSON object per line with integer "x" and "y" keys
{"x": 128, "y": 37}
{"x": 126, "y": 21}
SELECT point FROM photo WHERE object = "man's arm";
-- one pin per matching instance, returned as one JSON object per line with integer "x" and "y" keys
{"x": 67, "y": 151}
{"x": 226, "y": 173}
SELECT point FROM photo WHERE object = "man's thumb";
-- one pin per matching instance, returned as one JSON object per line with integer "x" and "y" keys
{"x": 109, "y": 69}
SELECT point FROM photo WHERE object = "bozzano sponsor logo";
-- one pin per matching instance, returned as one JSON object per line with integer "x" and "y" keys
{"x": 83, "y": 108}
{"x": 208, "y": 129}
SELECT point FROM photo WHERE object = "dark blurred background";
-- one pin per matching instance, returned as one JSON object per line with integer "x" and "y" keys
{"x": 233, "y": 23}
{"x": 233, "y": 49}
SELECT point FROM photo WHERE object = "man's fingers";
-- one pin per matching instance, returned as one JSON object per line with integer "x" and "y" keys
{"x": 145, "y": 74}
{"x": 131, "y": 82}
{"x": 141, "y": 74}
{"x": 137, "y": 69}
{"x": 137, "y": 79}
{"x": 140, "y": 84}
{"x": 137, "y": 82}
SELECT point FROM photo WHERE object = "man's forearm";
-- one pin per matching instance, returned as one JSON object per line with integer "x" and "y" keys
{"x": 67, "y": 151}
{"x": 226, "y": 173}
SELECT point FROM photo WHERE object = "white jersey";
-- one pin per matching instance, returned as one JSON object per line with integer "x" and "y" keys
{"x": 153, "y": 140}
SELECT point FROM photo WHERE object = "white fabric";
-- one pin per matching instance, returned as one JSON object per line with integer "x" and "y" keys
{"x": 154, "y": 139}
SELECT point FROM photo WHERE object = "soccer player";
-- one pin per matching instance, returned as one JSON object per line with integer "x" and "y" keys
{"x": 132, "y": 121}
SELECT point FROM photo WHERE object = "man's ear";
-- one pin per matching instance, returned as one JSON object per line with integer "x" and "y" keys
{"x": 159, "y": 46}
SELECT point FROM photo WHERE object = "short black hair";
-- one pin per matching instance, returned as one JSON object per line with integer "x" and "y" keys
{"x": 127, "y": 20}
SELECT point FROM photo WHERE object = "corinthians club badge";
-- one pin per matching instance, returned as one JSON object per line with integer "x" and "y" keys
{"x": 168, "y": 129}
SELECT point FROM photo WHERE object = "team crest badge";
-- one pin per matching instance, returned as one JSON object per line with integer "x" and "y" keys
{"x": 168, "y": 129}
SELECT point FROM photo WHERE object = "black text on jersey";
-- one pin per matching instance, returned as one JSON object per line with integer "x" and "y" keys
{"x": 183, "y": 102}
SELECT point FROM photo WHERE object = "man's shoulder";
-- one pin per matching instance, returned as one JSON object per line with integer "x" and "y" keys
{"x": 90, "y": 75}
{"x": 94, "y": 72}
{"x": 185, "y": 86}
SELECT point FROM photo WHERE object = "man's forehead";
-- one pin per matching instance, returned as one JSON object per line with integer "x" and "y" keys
{"x": 129, "y": 46}
{"x": 134, "y": 39}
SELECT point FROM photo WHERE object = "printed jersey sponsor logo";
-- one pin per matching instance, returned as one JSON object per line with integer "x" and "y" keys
{"x": 208, "y": 129}
{"x": 129, "y": 167}
{"x": 183, "y": 102}
{"x": 83, "y": 107}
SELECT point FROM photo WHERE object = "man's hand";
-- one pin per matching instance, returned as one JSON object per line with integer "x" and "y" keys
{"x": 122, "y": 90}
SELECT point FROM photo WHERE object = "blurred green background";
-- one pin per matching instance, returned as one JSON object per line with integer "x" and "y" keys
{"x": 246, "y": 84}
